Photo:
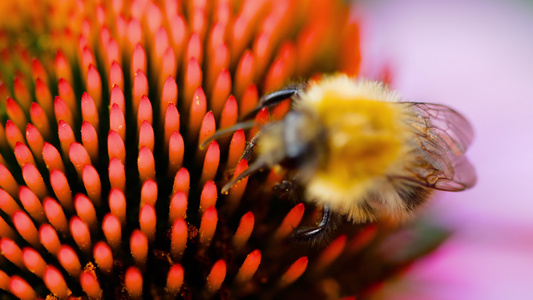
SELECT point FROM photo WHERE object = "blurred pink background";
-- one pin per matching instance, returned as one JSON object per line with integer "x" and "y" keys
{"x": 475, "y": 56}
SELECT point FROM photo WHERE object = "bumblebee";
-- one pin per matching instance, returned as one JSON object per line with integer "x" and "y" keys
{"x": 357, "y": 150}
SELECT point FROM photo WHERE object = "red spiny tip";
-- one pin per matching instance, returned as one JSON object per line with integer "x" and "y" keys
{"x": 11, "y": 251}
{"x": 32, "y": 204}
{"x": 67, "y": 94}
{"x": 112, "y": 230}
{"x": 149, "y": 193}
{"x": 181, "y": 182}
{"x": 66, "y": 136}
{"x": 208, "y": 197}
{"x": 55, "y": 214}
{"x": 89, "y": 110}
{"x": 79, "y": 157}
{"x": 89, "y": 137}
{"x": 194, "y": 48}
{"x": 178, "y": 238}
{"x": 229, "y": 113}
{"x": 294, "y": 272}
{"x": 220, "y": 91}
{"x": 140, "y": 89}
{"x": 291, "y": 221}
{"x": 94, "y": 85}
{"x": 168, "y": 95}
{"x": 21, "y": 92}
{"x": 170, "y": 66}
{"x": 138, "y": 60}
{"x": 35, "y": 141}
{"x": 244, "y": 74}
{"x": 178, "y": 207}
{"x": 91, "y": 181}
{"x": 139, "y": 247}
{"x": 103, "y": 257}
{"x": 237, "y": 190}
{"x": 117, "y": 174}
{"x": 8, "y": 182}
{"x": 133, "y": 281}
{"x": 49, "y": 239}
{"x": 219, "y": 61}
{"x": 90, "y": 285}
{"x": 216, "y": 276}
{"x": 244, "y": 231}
{"x": 146, "y": 164}
{"x": 39, "y": 119}
{"x": 262, "y": 51}
{"x": 211, "y": 162}
{"x": 23, "y": 154}
{"x": 69, "y": 260}
{"x": 146, "y": 136}
{"x": 198, "y": 108}
{"x": 115, "y": 146}
{"x": 15, "y": 113}
{"x": 161, "y": 43}
{"x": 13, "y": 134}
{"x": 249, "y": 267}
{"x": 176, "y": 151}
{"x": 208, "y": 128}
{"x": 134, "y": 32}
{"x": 55, "y": 282}
{"x": 174, "y": 279}
{"x": 38, "y": 70}
{"x": 147, "y": 221}
{"x": 154, "y": 16}
{"x": 34, "y": 180}
{"x": 145, "y": 112}
{"x": 208, "y": 226}
{"x": 87, "y": 58}
{"x": 81, "y": 234}
{"x": 282, "y": 68}
{"x": 61, "y": 188}
{"x": 172, "y": 122}
{"x": 62, "y": 111}
{"x": 62, "y": 67}
{"x": 193, "y": 80}
{"x": 280, "y": 110}
{"x": 52, "y": 158}
{"x": 117, "y": 97}
{"x": 21, "y": 289}
{"x": 33, "y": 261}
{"x": 249, "y": 100}
{"x": 331, "y": 253}
{"x": 116, "y": 78}
{"x": 7, "y": 204}
{"x": 86, "y": 211}
{"x": 112, "y": 50}
{"x": 4, "y": 281}
{"x": 178, "y": 31}
{"x": 362, "y": 239}
{"x": 117, "y": 204}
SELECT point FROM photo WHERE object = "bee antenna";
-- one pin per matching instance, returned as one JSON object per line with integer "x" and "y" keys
{"x": 271, "y": 100}
{"x": 222, "y": 132}
{"x": 252, "y": 169}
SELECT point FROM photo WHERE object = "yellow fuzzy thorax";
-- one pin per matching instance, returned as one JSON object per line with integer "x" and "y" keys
{"x": 367, "y": 137}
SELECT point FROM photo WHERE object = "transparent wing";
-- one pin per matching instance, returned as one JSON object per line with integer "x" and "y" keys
{"x": 443, "y": 137}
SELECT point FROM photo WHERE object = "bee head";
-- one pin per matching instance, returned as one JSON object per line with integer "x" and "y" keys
{"x": 299, "y": 140}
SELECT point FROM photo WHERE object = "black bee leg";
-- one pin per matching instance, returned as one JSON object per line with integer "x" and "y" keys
{"x": 271, "y": 99}
{"x": 322, "y": 232}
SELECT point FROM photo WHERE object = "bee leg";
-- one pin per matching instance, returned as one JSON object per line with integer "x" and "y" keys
{"x": 271, "y": 99}
{"x": 322, "y": 232}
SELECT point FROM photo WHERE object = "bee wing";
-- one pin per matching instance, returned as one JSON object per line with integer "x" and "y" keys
{"x": 444, "y": 135}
